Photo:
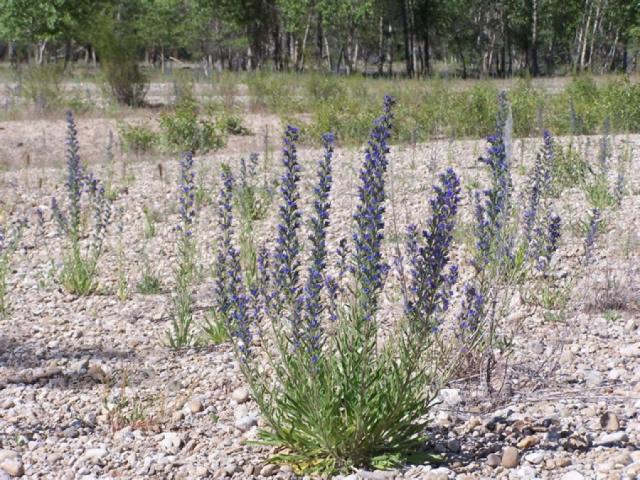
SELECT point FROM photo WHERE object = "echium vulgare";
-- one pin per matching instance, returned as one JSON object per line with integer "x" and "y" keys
{"x": 430, "y": 284}
{"x": 369, "y": 267}
{"x": 319, "y": 222}
{"x": 493, "y": 204}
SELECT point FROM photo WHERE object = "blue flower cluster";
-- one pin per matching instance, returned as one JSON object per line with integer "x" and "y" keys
{"x": 540, "y": 184}
{"x": 430, "y": 286}
{"x": 472, "y": 311}
{"x": 492, "y": 205}
{"x": 319, "y": 223}
{"x": 368, "y": 265}
{"x": 286, "y": 257}
{"x": 233, "y": 304}
{"x": 78, "y": 182}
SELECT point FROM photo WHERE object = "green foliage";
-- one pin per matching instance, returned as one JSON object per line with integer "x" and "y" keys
{"x": 42, "y": 86}
{"x": 149, "y": 284}
{"x": 352, "y": 409}
{"x": 233, "y": 125}
{"x": 151, "y": 217}
{"x": 184, "y": 131}
{"x": 117, "y": 44}
{"x": 79, "y": 272}
{"x": 570, "y": 169}
{"x": 598, "y": 193}
{"x": 215, "y": 330}
{"x": 137, "y": 138}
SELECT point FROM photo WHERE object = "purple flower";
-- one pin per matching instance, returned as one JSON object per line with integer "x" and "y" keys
{"x": 429, "y": 284}
{"x": 319, "y": 223}
{"x": 368, "y": 265}
{"x": 286, "y": 257}
{"x": 472, "y": 311}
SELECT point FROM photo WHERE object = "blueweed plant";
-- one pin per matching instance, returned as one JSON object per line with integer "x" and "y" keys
{"x": 592, "y": 229}
{"x": 332, "y": 396}
{"x": 510, "y": 248}
{"x": 181, "y": 334}
{"x": 80, "y": 258}
{"x": 9, "y": 242}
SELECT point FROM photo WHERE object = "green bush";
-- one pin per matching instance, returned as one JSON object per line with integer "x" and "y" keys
{"x": 526, "y": 103}
{"x": 184, "y": 131}
{"x": 138, "y": 138}
{"x": 42, "y": 86}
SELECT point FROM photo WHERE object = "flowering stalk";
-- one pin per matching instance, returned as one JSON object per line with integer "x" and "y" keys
{"x": 493, "y": 205}
{"x": 540, "y": 184}
{"x": 368, "y": 265}
{"x": 180, "y": 334}
{"x": 79, "y": 269}
{"x": 315, "y": 279}
{"x": 429, "y": 285}
{"x": 286, "y": 261}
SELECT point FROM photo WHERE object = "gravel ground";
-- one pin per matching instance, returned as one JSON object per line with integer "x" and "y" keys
{"x": 87, "y": 389}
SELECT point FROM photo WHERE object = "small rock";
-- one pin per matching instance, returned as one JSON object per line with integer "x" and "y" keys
{"x": 440, "y": 473}
{"x": 563, "y": 462}
{"x": 7, "y": 403}
{"x": 240, "y": 395}
{"x": 96, "y": 373}
{"x": 572, "y": 475}
{"x": 593, "y": 378}
{"x": 612, "y": 438}
{"x": 525, "y": 473}
{"x": 246, "y": 422}
{"x": 615, "y": 374}
{"x": 623, "y": 459}
{"x": 609, "y": 422}
{"x": 230, "y": 469}
{"x": 453, "y": 445}
{"x": 171, "y": 442}
{"x": 632, "y": 350}
{"x": 95, "y": 455}
{"x": 195, "y": 405}
{"x": 493, "y": 460}
{"x": 269, "y": 470}
{"x": 450, "y": 396}
{"x": 13, "y": 466}
{"x": 248, "y": 470}
{"x": 510, "y": 457}
{"x": 534, "y": 458}
{"x": 528, "y": 442}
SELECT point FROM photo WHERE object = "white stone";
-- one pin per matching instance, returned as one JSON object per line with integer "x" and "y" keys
{"x": 572, "y": 475}
{"x": 171, "y": 442}
{"x": 95, "y": 455}
{"x": 450, "y": 396}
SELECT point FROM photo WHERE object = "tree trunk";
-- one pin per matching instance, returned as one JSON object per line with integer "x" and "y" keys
{"x": 405, "y": 32}
{"x": 534, "y": 40}
{"x": 380, "y": 46}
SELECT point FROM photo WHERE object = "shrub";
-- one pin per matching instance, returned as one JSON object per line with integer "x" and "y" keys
{"x": 42, "y": 86}
{"x": 117, "y": 45}
{"x": 138, "y": 138}
{"x": 183, "y": 131}
{"x": 232, "y": 124}
{"x": 331, "y": 395}
{"x": 80, "y": 260}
